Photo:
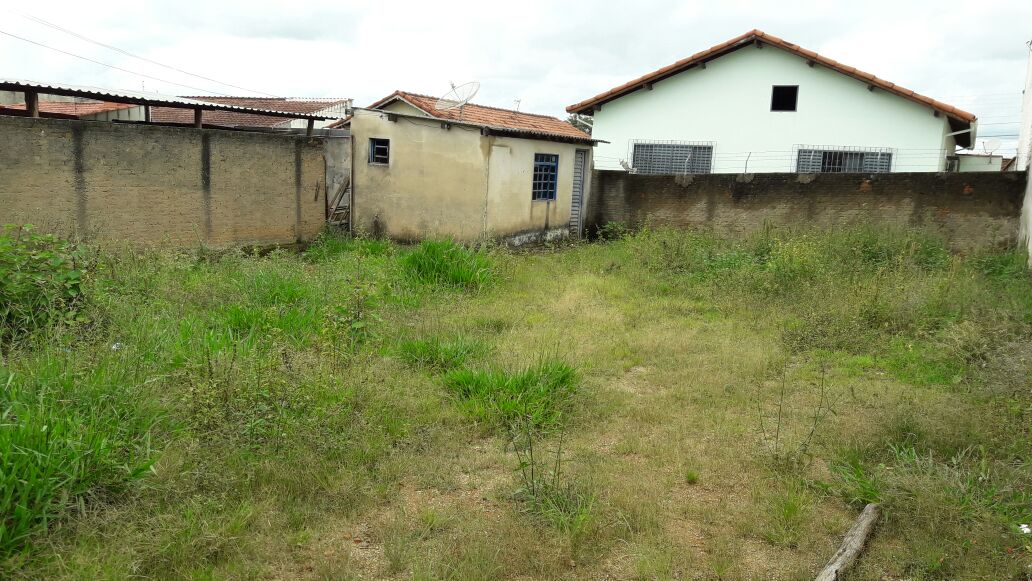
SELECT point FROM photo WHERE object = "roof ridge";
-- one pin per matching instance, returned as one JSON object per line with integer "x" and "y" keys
{"x": 718, "y": 50}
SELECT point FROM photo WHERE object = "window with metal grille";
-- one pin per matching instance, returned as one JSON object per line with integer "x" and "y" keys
{"x": 843, "y": 160}
{"x": 671, "y": 157}
{"x": 546, "y": 176}
{"x": 379, "y": 150}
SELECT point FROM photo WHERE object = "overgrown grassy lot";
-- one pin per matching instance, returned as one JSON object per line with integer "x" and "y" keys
{"x": 660, "y": 405}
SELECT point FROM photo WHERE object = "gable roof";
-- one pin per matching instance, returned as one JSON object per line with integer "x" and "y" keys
{"x": 237, "y": 119}
{"x": 756, "y": 36}
{"x": 504, "y": 121}
{"x": 71, "y": 109}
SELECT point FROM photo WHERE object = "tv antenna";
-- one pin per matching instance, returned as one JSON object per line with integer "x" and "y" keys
{"x": 990, "y": 145}
{"x": 457, "y": 97}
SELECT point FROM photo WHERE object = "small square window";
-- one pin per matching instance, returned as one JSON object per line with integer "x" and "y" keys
{"x": 379, "y": 151}
{"x": 784, "y": 97}
{"x": 546, "y": 176}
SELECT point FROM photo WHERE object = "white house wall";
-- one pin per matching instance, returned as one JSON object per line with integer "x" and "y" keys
{"x": 1025, "y": 133}
{"x": 1025, "y": 159}
{"x": 729, "y": 101}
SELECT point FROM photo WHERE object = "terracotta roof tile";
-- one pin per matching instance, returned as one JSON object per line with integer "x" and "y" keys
{"x": 491, "y": 117}
{"x": 72, "y": 109}
{"x": 756, "y": 36}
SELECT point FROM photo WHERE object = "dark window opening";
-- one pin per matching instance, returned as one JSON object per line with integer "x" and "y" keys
{"x": 546, "y": 176}
{"x": 379, "y": 150}
{"x": 784, "y": 97}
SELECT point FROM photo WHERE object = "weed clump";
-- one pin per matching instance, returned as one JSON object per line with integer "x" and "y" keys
{"x": 332, "y": 244}
{"x": 537, "y": 394}
{"x": 443, "y": 262}
{"x": 439, "y": 354}
{"x": 40, "y": 280}
{"x": 66, "y": 434}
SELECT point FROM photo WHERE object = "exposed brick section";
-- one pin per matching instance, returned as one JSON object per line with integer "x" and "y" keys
{"x": 970, "y": 209}
{"x": 161, "y": 185}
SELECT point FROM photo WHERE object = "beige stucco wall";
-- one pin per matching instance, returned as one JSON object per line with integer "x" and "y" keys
{"x": 510, "y": 208}
{"x": 453, "y": 182}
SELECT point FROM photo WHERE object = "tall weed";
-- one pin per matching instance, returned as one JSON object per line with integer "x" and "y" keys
{"x": 40, "y": 280}
{"x": 443, "y": 262}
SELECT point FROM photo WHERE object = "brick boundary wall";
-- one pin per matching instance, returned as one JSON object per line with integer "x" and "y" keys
{"x": 176, "y": 186}
{"x": 969, "y": 209}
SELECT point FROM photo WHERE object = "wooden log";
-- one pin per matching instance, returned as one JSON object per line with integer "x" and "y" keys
{"x": 852, "y": 545}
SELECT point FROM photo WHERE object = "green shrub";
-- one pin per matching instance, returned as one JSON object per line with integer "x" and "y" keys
{"x": 446, "y": 263}
{"x": 40, "y": 280}
{"x": 536, "y": 395}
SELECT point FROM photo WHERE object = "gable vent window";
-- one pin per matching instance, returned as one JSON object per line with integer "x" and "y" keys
{"x": 843, "y": 160}
{"x": 672, "y": 157}
{"x": 379, "y": 151}
{"x": 784, "y": 97}
{"x": 546, "y": 176}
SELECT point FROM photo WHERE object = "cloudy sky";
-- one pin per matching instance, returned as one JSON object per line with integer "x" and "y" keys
{"x": 969, "y": 54}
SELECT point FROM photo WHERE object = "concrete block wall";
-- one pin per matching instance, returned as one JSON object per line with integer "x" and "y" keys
{"x": 174, "y": 186}
{"x": 970, "y": 209}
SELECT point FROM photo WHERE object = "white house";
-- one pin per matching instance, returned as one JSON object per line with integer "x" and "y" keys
{"x": 1025, "y": 133}
{"x": 757, "y": 103}
{"x": 1024, "y": 158}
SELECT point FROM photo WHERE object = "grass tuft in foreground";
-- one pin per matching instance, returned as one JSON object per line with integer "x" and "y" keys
{"x": 440, "y": 354}
{"x": 443, "y": 262}
{"x": 537, "y": 395}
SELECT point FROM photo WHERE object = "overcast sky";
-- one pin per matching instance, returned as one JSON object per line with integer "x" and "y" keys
{"x": 969, "y": 54}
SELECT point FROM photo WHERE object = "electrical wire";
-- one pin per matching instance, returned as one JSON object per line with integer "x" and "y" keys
{"x": 129, "y": 54}
{"x": 112, "y": 66}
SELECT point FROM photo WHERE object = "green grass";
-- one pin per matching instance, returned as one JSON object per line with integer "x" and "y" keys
{"x": 538, "y": 394}
{"x": 346, "y": 413}
{"x": 440, "y": 354}
{"x": 446, "y": 263}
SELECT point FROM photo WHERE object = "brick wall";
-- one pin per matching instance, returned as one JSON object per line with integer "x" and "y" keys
{"x": 165, "y": 185}
{"x": 970, "y": 209}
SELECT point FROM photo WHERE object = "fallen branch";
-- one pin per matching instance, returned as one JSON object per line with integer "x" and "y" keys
{"x": 852, "y": 544}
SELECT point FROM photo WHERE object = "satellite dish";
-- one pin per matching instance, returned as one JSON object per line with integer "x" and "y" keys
{"x": 990, "y": 145}
{"x": 457, "y": 97}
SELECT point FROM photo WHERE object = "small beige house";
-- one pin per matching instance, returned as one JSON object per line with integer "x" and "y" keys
{"x": 468, "y": 173}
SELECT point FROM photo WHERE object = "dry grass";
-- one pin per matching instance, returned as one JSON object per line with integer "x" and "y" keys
{"x": 698, "y": 365}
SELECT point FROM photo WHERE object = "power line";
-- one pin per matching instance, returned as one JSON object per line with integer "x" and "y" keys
{"x": 129, "y": 54}
{"x": 112, "y": 66}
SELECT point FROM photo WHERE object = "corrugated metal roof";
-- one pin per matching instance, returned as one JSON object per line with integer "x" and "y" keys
{"x": 139, "y": 98}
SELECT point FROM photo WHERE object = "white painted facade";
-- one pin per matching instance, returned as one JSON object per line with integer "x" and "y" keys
{"x": 1025, "y": 159}
{"x": 728, "y": 103}
{"x": 969, "y": 162}
{"x": 1025, "y": 133}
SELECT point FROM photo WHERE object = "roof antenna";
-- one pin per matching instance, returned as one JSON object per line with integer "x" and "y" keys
{"x": 457, "y": 97}
{"x": 517, "y": 103}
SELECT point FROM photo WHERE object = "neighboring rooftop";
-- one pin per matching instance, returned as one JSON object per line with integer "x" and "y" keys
{"x": 151, "y": 99}
{"x": 758, "y": 36}
{"x": 501, "y": 120}
{"x": 334, "y": 108}
{"x": 71, "y": 109}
